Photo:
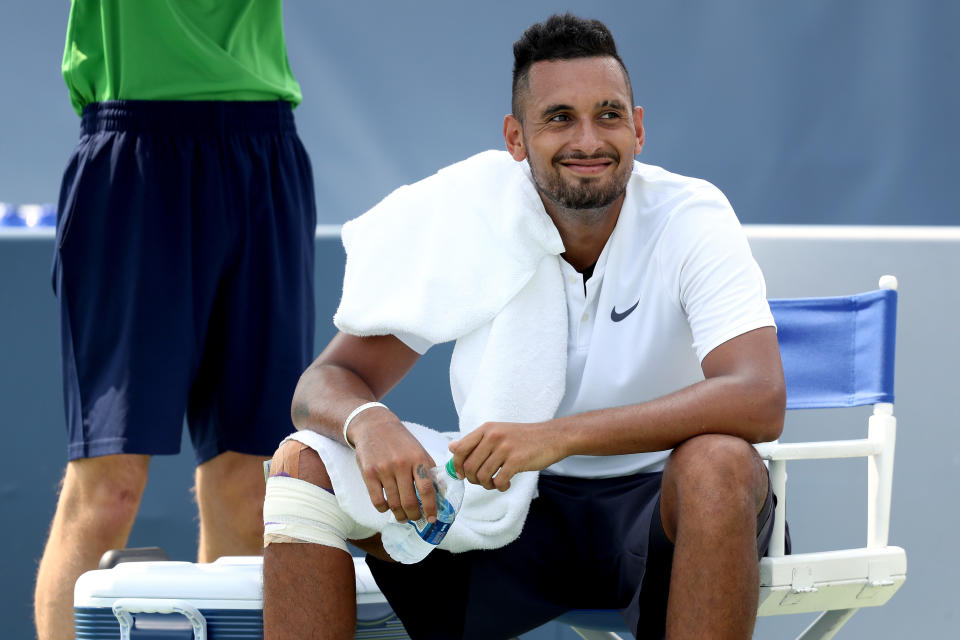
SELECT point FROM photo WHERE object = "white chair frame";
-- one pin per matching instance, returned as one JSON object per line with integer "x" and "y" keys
{"x": 838, "y": 583}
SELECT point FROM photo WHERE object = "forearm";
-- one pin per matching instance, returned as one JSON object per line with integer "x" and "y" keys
{"x": 350, "y": 372}
{"x": 747, "y": 408}
{"x": 743, "y": 395}
{"x": 325, "y": 396}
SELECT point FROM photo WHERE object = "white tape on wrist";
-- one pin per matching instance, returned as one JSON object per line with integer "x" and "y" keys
{"x": 354, "y": 414}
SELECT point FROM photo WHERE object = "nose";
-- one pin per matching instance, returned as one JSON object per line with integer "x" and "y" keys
{"x": 587, "y": 137}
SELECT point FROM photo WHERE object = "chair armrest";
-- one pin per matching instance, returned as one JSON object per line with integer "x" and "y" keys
{"x": 877, "y": 447}
{"x": 819, "y": 450}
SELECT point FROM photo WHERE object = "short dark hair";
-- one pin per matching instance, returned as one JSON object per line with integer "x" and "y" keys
{"x": 560, "y": 37}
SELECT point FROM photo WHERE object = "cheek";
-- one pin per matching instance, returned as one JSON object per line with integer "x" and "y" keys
{"x": 540, "y": 158}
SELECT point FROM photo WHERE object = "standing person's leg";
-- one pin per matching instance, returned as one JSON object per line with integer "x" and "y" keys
{"x": 95, "y": 512}
{"x": 130, "y": 301}
{"x": 229, "y": 493}
{"x": 713, "y": 488}
{"x": 259, "y": 337}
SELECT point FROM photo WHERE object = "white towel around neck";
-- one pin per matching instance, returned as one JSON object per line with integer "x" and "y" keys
{"x": 468, "y": 254}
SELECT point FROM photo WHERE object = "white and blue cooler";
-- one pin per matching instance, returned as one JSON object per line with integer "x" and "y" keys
{"x": 222, "y": 600}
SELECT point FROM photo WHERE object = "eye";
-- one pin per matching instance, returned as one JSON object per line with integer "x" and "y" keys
{"x": 609, "y": 115}
{"x": 560, "y": 117}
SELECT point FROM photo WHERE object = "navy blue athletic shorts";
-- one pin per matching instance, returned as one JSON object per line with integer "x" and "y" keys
{"x": 586, "y": 544}
{"x": 183, "y": 268}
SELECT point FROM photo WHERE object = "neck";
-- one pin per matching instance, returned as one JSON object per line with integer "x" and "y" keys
{"x": 584, "y": 231}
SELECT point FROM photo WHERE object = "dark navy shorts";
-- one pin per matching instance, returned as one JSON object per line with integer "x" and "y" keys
{"x": 586, "y": 544}
{"x": 183, "y": 268}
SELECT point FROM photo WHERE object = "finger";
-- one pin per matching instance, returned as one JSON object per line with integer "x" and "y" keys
{"x": 468, "y": 441}
{"x": 463, "y": 447}
{"x": 489, "y": 469}
{"x": 428, "y": 493}
{"x": 453, "y": 447}
{"x": 375, "y": 491}
{"x": 394, "y": 500}
{"x": 409, "y": 505}
{"x": 473, "y": 462}
{"x": 502, "y": 480}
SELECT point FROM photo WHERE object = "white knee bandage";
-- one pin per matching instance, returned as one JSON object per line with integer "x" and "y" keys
{"x": 296, "y": 511}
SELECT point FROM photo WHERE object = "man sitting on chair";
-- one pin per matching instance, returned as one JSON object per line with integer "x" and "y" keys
{"x": 650, "y": 497}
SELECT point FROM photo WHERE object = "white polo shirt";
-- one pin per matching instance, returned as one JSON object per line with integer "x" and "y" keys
{"x": 681, "y": 282}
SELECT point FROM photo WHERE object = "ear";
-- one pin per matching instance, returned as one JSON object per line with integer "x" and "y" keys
{"x": 638, "y": 126}
{"x": 513, "y": 136}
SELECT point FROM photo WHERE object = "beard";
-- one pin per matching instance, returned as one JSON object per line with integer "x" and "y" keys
{"x": 579, "y": 193}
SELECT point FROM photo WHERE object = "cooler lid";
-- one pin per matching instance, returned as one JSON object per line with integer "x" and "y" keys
{"x": 225, "y": 579}
{"x": 231, "y": 578}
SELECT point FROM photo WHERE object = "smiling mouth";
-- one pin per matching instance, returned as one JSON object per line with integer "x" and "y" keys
{"x": 585, "y": 168}
{"x": 586, "y": 165}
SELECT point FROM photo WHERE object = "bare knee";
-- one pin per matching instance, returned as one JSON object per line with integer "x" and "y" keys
{"x": 104, "y": 493}
{"x": 711, "y": 476}
{"x": 297, "y": 460}
{"x": 713, "y": 457}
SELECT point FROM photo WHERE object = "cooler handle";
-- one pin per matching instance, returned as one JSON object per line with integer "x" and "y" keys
{"x": 124, "y": 607}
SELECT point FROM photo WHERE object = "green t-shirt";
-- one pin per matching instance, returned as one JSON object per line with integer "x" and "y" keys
{"x": 177, "y": 50}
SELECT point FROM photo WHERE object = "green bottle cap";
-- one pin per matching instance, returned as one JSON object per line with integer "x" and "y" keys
{"x": 450, "y": 470}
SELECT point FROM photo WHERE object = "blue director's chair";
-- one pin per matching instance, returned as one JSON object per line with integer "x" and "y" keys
{"x": 837, "y": 352}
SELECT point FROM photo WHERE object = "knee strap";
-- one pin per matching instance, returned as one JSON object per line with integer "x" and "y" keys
{"x": 296, "y": 511}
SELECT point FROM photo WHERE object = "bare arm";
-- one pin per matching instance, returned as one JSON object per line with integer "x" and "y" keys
{"x": 350, "y": 372}
{"x": 743, "y": 394}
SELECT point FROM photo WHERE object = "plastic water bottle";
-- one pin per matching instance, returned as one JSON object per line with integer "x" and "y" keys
{"x": 410, "y": 542}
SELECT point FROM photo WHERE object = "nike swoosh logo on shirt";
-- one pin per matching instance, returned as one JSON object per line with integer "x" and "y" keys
{"x": 617, "y": 316}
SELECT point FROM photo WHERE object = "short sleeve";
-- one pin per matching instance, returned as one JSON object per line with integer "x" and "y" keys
{"x": 415, "y": 342}
{"x": 707, "y": 263}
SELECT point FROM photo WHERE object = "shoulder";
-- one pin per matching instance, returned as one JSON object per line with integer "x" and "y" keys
{"x": 678, "y": 209}
{"x": 657, "y": 185}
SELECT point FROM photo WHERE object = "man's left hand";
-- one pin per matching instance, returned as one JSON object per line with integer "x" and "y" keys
{"x": 494, "y": 452}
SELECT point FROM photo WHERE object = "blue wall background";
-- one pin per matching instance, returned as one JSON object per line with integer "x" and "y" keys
{"x": 803, "y": 112}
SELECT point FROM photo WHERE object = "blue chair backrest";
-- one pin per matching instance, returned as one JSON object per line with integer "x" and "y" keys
{"x": 838, "y": 351}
